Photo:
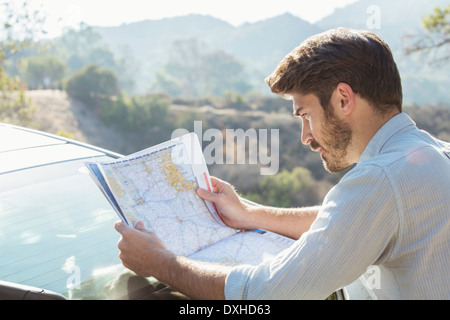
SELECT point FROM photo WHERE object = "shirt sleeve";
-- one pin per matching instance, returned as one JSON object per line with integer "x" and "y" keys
{"x": 355, "y": 228}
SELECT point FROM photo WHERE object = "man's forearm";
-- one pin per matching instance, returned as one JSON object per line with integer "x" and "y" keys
{"x": 239, "y": 213}
{"x": 291, "y": 223}
{"x": 142, "y": 252}
{"x": 195, "y": 279}
{"x": 201, "y": 280}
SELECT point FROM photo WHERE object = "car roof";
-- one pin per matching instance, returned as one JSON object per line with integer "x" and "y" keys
{"x": 23, "y": 148}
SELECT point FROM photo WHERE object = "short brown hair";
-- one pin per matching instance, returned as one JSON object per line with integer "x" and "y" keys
{"x": 358, "y": 58}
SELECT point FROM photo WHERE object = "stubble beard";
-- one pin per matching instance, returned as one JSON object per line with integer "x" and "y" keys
{"x": 336, "y": 137}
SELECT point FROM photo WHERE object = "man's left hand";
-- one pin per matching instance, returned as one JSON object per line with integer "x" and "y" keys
{"x": 140, "y": 249}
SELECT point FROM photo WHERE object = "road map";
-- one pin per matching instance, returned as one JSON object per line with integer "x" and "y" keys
{"x": 157, "y": 186}
{"x": 246, "y": 247}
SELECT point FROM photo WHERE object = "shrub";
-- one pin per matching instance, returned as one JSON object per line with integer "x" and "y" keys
{"x": 93, "y": 85}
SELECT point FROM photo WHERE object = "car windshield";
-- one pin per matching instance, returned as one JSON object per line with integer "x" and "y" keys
{"x": 56, "y": 232}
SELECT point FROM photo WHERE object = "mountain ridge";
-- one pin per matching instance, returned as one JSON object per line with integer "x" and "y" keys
{"x": 262, "y": 44}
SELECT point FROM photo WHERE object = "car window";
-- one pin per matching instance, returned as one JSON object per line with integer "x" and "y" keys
{"x": 57, "y": 231}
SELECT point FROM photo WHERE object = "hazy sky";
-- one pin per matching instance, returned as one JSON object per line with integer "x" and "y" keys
{"x": 62, "y": 13}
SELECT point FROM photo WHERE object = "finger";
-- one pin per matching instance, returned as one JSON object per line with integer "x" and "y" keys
{"x": 220, "y": 186}
{"x": 121, "y": 227}
{"x": 141, "y": 227}
{"x": 206, "y": 195}
{"x": 215, "y": 180}
{"x": 217, "y": 184}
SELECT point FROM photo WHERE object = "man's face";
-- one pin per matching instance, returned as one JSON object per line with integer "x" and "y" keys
{"x": 327, "y": 135}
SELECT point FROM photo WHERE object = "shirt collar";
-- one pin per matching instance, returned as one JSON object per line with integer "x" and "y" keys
{"x": 390, "y": 128}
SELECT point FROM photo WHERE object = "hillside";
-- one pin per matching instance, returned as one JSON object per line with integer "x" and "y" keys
{"x": 261, "y": 45}
{"x": 396, "y": 18}
{"x": 423, "y": 80}
{"x": 56, "y": 113}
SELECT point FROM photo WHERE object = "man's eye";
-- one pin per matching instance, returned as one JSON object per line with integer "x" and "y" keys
{"x": 305, "y": 116}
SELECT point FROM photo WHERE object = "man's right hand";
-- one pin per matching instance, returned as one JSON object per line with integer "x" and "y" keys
{"x": 233, "y": 211}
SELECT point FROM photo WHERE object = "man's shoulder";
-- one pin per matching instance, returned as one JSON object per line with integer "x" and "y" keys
{"x": 367, "y": 177}
{"x": 411, "y": 165}
{"x": 407, "y": 149}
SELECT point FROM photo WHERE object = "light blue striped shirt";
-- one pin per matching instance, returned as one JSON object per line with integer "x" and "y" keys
{"x": 392, "y": 210}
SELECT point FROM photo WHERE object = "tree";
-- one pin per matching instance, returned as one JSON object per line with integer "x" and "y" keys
{"x": 437, "y": 37}
{"x": 83, "y": 46}
{"x": 223, "y": 72}
{"x": 193, "y": 71}
{"x": 93, "y": 85}
{"x": 75, "y": 47}
{"x": 185, "y": 64}
{"x": 166, "y": 83}
{"x": 18, "y": 29}
{"x": 43, "y": 72}
{"x": 286, "y": 189}
{"x": 148, "y": 111}
{"x": 14, "y": 107}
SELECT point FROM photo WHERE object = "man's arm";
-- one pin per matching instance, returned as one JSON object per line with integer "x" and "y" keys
{"x": 142, "y": 252}
{"x": 241, "y": 215}
{"x": 290, "y": 223}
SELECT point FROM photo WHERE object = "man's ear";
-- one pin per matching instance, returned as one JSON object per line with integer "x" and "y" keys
{"x": 343, "y": 99}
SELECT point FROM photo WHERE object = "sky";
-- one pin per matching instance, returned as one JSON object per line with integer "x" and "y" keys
{"x": 69, "y": 13}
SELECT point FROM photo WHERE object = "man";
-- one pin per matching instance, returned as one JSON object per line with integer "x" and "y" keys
{"x": 391, "y": 210}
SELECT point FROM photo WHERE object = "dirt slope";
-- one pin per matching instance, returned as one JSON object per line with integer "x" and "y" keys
{"x": 58, "y": 114}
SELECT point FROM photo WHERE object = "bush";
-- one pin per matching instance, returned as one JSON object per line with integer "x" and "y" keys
{"x": 93, "y": 86}
{"x": 138, "y": 113}
{"x": 148, "y": 111}
{"x": 43, "y": 72}
{"x": 286, "y": 189}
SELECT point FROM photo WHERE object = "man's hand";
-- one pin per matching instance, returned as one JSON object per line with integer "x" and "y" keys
{"x": 234, "y": 212}
{"x": 292, "y": 222}
{"x": 141, "y": 250}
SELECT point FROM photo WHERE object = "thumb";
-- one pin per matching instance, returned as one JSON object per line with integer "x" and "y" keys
{"x": 121, "y": 227}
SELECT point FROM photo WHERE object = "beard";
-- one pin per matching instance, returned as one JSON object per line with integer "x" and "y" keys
{"x": 336, "y": 136}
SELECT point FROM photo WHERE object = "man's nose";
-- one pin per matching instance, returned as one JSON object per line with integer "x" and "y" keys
{"x": 307, "y": 136}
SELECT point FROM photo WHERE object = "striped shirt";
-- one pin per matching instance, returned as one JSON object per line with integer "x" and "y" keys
{"x": 390, "y": 211}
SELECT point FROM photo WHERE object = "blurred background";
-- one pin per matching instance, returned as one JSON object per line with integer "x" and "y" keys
{"x": 123, "y": 75}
